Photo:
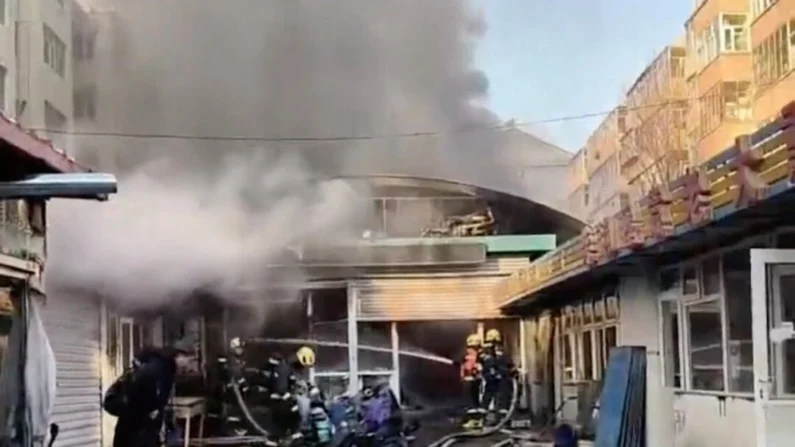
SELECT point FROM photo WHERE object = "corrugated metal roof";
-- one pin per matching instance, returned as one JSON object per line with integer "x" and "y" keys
{"x": 32, "y": 146}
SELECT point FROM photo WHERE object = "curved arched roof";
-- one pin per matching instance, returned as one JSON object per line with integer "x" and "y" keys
{"x": 558, "y": 220}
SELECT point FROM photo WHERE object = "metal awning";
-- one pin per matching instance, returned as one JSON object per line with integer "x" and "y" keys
{"x": 776, "y": 210}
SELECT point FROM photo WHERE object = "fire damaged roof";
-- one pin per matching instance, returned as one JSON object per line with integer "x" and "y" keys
{"x": 38, "y": 153}
{"x": 530, "y": 216}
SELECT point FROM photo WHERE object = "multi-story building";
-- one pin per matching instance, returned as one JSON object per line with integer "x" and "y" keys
{"x": 773, "y": 48}
{"x": 43, "y": 78}
{"x": 654, "y": 146}
{"x": 719, "y": 75}
{"x": 602, "y": 166}
{"x": 577, "y": 185}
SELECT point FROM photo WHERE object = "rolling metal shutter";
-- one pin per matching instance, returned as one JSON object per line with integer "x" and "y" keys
{"x": 73, "y": 326}
{"x": 458, "y": 298}
{"x": 435, "y": 296}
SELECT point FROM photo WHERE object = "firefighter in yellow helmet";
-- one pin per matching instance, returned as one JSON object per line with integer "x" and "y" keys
{"x": 471, "y": 379}
{"x": 498, "y": 374}
{"x": 288, "y": 382}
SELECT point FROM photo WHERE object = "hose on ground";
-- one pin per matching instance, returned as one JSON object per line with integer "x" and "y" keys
{"x": 246, "y": 412}
{"x": 452, "y": 438}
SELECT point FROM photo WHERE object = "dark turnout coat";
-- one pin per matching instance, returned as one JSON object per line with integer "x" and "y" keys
{"x": 149, "y": 393}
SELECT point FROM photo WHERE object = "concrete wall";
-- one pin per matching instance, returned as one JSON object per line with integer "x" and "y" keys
{"x": 37, "y": 82}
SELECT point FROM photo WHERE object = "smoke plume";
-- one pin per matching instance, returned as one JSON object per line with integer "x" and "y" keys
{"x": 276, "y": 93}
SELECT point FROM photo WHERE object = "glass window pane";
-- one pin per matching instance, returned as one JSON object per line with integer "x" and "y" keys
{"x": 737, "y": 286}
{"x": 706, "y": 347}
{"x": 587, "y": 353}
{"x": 783, "y": 310}
{"x": 673, "y": 371}
{"x": 599, "y": 354}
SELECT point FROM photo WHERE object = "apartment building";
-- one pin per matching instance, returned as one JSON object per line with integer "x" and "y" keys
{"x": 719, "y": 75}
{"x": 577, "y": 185}
{"x": 654, "y": 146}
{"x": 8, "y": 63}
{"x": 43, "y": 75}
{"x": 773, "y": 51}
{"x": 594, "y": 181}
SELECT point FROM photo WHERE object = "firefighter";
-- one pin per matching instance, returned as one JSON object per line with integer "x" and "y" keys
{"x": 286, "y": 380}
{"x": 471, "y": 378}
{"x": 498, "y": 373}
{"x": 507, "y": 372}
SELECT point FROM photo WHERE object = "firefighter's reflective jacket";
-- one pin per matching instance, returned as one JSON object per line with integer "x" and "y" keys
{"x": 471, "y": 367}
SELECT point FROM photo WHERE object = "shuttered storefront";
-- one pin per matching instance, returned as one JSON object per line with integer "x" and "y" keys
{"x": 73, "y": 326}
{"x": 461, "y": 295}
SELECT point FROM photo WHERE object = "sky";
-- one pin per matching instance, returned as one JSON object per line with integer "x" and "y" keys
{"x": 551, "y": 59}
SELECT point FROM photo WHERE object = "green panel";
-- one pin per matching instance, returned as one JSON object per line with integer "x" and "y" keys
{"x": 520, "y": 243}
{"x": 494, "y": 244}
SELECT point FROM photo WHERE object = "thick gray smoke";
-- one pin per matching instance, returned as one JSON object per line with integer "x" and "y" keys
{"x": 213, "y": 212}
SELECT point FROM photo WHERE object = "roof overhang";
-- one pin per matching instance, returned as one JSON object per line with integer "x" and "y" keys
{"x": 501, "y": 194}
{"x": 728, "y": 226}
{"x": 30, "y": 146}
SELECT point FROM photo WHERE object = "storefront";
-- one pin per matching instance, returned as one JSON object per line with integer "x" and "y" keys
{"x": 711, "y": 298}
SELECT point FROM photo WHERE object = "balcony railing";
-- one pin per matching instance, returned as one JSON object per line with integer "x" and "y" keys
{"x": 21, "y": 243}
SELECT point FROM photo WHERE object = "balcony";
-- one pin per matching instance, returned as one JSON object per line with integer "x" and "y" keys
{"x": 17, "y": 237}
{"x": 21, "y": 243}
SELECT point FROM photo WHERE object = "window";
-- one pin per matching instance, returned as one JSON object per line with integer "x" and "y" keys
{"x": 587, "y": 332}
{"x": 726, "y": 101}
{"x": 706, "y": 324}
{"x": 772, "y": 58}
{"x": 83, "y": 42}
{"x": 671, "y": 349}
{"x": 85, "y": 105}
{"x": 737, "y": 284}
{"x": 54, "y": 51}
{"x": 737, "y": 104}
{"x": 760, "y": 6}
{"x": 735, "y": 35}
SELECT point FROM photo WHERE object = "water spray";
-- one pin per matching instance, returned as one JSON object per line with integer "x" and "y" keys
{"x": 339, "y": 344}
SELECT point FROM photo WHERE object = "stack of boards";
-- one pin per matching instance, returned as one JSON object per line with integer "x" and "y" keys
{"x": 622, "y": 403}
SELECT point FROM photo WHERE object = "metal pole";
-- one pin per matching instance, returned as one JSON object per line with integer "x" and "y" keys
{"x": 309, "y": 318}
{"x": 353, "y": 342}
{"x": 395, "y": 379}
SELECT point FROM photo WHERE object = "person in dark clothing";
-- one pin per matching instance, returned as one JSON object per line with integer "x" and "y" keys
{"x": 286, "y": 378}
{"x": 498, "y": 374}
{"x": 148, "y": 390}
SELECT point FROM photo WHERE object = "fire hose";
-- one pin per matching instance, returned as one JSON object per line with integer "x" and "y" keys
{"x": 339, "y": 344}
{"x": 452, "y": 438}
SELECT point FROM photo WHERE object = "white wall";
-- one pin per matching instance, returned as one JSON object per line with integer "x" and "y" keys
{"x": 8, "y": 57}
{"x": 36, "y": 81}
{"x": 680, "y": 419}
{"x": 638, "y": 327}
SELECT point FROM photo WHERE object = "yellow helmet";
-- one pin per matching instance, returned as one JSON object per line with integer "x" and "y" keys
{"x": 473, "y": 340}
{"x": 305, "y": 356}
{"x": 493, "y": 336}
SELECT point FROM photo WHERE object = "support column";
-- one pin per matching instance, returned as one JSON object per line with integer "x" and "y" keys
{"x": 353, "y": 342}
{"x": 523, "y": 382}
{"x": 395, "y": 379}
{"x": 638, "y": 312}
{"x": 311, "y": 335}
